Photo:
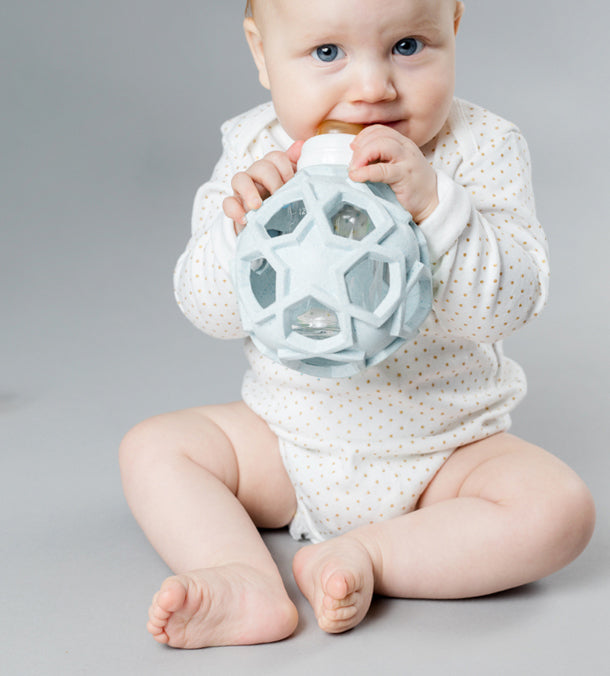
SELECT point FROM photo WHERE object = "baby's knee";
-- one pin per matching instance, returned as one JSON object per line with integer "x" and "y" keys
{"x": 564, "y": 518}
{"x": 174, "y": 442}
{"x": 579, "y": 510}
{"x": 140, "y": 446}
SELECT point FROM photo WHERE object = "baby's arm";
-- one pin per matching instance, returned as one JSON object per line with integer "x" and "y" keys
{"x": 491, "y": 270}
{"x": 487, "y": 248}
{"x": 202, "y": 278}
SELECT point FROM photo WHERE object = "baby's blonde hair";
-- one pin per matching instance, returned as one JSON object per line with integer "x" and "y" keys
{"x": 249, "y": 7}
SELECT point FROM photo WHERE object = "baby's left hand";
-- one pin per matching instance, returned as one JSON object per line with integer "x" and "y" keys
{"x": 383, "y": 155}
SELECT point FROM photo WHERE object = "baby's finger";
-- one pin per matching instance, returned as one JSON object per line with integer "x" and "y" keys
{"x": 379, "y": 172}
{"x": 294, "y": 152}
{"x": 374, "y": 131}
{"x": 378, "y": 148}
{"x": 271, "y": 172}
{"x": 249, "y": 192}
{"x": 283, "y": 163}
{"x": 234, "y": 210}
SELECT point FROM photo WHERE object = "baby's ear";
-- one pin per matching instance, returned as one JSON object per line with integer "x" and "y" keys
{"x": 459, "y": 13}
{"x": 255, "y": 42}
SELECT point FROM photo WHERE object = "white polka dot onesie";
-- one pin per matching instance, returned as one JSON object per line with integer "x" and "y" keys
{"x": 364, "y": 448}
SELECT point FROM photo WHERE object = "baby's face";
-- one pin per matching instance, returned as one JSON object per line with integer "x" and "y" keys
{"x": 363, "y": 61}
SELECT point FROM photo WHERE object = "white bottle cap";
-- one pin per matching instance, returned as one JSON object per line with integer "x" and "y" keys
{"x": 326, "y": 149}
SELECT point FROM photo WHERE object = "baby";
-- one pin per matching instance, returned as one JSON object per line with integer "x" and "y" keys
{"x": 403, "y": 478}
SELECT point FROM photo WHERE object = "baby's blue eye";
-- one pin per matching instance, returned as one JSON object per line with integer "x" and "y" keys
{"x": 327, "y": 53}
{"x": 408, "y": 46}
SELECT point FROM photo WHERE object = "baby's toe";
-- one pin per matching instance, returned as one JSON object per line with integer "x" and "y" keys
{"x": 331, "y": 603}
{"x": 158, "y": 614}
{"x": 171, "y": 596}
{"x": 157, "y": 633}
{"x": 165, "y": 602}
{"x": 340, "y": 585}
{"x": 156, "y": 619}
{"x": 336, "y": 626}
{"x": 341, "y": 614}
{"x": 154, "y": 626}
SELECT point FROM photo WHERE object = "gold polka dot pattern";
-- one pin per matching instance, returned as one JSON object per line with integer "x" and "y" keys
{"x": 450, "y": 386}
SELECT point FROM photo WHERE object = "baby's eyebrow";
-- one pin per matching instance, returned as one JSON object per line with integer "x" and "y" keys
{"x": 423, "y": 26}
{"x": 415, "y": 21}
{"x": 411, "y": 26}
{"x": 321, "y": 35}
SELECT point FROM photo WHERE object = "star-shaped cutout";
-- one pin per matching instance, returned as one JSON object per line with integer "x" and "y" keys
{"x": 307, "y": 258}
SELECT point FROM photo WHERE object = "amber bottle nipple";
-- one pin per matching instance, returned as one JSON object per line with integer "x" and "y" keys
{"x": 330, "y": 145}
{"x": 338, "y": 127}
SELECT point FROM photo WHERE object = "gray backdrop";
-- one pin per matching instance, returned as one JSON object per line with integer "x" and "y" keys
{"x": 110, "y": 114}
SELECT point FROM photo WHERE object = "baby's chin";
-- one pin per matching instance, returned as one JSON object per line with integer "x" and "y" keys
{"x": 421, "y": 137}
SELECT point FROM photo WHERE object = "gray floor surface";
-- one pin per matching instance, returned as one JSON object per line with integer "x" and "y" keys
{"x": 110, "y": 114}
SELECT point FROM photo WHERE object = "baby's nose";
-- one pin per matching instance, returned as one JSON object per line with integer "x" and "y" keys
{"x": 372, "y": 82}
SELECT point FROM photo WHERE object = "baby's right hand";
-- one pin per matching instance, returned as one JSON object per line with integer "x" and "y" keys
{"x": 262, "y": 179}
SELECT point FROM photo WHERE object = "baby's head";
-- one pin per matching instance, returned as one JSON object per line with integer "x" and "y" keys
{"x": 363, "y": 61}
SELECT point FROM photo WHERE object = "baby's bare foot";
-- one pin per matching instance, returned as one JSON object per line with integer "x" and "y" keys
{"x": 228, "y": 605}
{"x": 337, "y": 579}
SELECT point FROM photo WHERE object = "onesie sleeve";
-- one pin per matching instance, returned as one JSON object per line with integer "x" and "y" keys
{"x": 488, "y": 251}
{"x": 202, "y": 277}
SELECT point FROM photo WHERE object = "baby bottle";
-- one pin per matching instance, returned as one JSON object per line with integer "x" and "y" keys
{"x": 331, "y": 276}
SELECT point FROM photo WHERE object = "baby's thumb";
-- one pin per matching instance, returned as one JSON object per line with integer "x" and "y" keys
{"x": 294, "y": 152}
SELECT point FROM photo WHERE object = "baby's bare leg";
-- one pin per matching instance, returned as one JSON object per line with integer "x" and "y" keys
{"x": 499, "y": 514}
{"x": 198, "y": 483}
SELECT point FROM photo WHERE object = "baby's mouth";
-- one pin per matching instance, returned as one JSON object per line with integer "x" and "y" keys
{"x": 385, "y": 123}
{"x": 339, "y": 127}
{"x": 353, "y": 127}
